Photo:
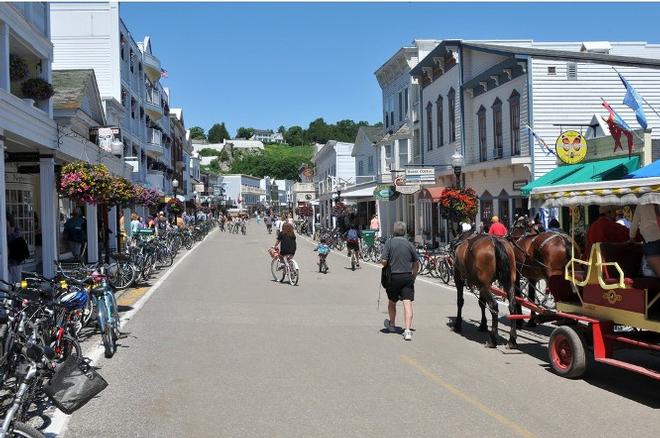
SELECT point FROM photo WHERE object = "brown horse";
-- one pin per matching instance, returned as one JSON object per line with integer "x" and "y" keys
{"x": 540, "y": 256}
{"x": 479, "y": 261}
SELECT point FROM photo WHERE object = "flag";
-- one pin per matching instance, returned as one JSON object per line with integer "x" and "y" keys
{"x": 634, "y": 101}
{"x": 618, "y": 126}
{"x": 163, "y": 73}
{"x": 543, "y": 144}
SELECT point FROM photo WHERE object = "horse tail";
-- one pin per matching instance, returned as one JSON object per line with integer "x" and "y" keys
{"x": 502, "y": 265}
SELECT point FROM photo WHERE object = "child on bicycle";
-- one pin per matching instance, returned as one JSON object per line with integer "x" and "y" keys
{"x": 352, "y": 237}
{"x": 323, "y": 250}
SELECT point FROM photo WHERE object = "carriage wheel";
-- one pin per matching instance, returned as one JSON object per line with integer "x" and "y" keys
{"x": 567, "y": 351}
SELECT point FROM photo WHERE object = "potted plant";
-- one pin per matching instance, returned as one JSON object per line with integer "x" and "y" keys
{"x": 121, "y": 192}
{"x": 458, "y": 204}
{"x": 18, "y": 68}
{"x": 37, "y": 89}
{"x": 85, "y": 182}
{"x": 146, "y": 197}
{"x": 175, "y": 205}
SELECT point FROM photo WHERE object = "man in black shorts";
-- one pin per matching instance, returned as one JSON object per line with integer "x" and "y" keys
{"x": 403, "y": 260}
{"x": 352, "y": 236}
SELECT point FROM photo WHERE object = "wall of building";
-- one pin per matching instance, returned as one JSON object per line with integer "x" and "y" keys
{"x": 440, "y": 87}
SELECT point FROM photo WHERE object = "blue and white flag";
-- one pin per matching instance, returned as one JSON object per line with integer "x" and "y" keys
{"x": 543, "y": 144}
{"x": 634, "y": 101}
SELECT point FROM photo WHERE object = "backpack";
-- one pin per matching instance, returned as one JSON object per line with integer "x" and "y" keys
{"x": 352, "y": 235}
{"x": 18, "y": 250}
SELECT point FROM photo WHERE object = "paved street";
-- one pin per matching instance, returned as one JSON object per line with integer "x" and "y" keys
{"x": 222, "y": 350}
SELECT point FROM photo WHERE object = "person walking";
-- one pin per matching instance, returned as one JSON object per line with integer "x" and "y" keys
{"x": 75, "y": 232}
{"x": 17, "y": 249}
{"x": 403, "y": 262}
{"x": 374, "y": 225}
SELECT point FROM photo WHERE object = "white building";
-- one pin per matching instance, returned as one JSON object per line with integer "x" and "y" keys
{"x": 477, "y": 98}
{"x": 267, "y": 136}
{"x": 92, "y": 35}
{"x": 241, "y": 191}
{"x": 335, "y": 170}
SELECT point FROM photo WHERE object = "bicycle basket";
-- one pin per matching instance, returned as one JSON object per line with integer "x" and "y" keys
{"x": 273, "y": 252}
{"x": 73, "y": 385}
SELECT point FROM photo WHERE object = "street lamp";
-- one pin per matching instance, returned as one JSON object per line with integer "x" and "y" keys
{"x": 175, "y": 186}
{"x": 457, "y": 162}
{"x": 117, "y": 147}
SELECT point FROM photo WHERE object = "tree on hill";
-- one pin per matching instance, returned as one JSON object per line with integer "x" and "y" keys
{"x": 209, "y": 152}
{"x": 197, "y": 133}
{"x": 318, "y": 131}
{"x": 295, "y": 136}
{"x": 277, "y": 161}
{"x": 245, "y": 133}
{"x": 281, "y": 130}
{"x": 218, "y": 133}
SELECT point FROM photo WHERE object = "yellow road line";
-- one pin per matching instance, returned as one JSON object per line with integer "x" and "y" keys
{"x": 518, "y": 429}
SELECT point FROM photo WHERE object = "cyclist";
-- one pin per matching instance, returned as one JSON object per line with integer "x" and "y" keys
{"x": 286, "y": 241}
{"x": 352, "y": 237}
{"x": 323, "y": 250}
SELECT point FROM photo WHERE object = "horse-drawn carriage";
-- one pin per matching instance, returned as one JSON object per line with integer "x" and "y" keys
{"x": 601, "y": 290}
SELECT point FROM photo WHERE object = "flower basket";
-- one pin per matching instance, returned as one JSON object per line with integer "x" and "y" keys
{"x": 121, "y": 192}
{"x": 458, "y": 204}
{"x": 175, "y": 205}
{"x": 18, "y": 68}
{"x": 37, "y": 89}
{"x": 146, "y": 197}
{"x": 305, "y": 211}
{"x": 81, "y": 181}
{"x": 340, "y": 209}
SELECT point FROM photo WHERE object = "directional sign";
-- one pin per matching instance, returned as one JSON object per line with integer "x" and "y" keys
{"x": 385, "y": 192}
{"x": 420, "y": 175}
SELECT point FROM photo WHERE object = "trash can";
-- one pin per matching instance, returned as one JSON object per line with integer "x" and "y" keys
{"x": 368, "y": 237}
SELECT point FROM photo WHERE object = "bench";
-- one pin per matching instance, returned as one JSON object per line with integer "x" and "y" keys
{"x": 628, "y": 256}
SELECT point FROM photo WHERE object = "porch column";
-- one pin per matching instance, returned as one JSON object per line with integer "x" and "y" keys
{"x": 4, "y": 62}
{"x": 92, "y": 233}
{"x": 113, "y": 227}
{"x": 4, "y": 269}
{"x": 127, "y": 221}
{"x": 49, "y": 212}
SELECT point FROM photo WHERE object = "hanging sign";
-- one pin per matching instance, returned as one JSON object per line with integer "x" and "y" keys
{"x": 571, "y": 147}
{"x": 402, "y": 185}
{"x": 421, "y": 175}
{"x": 385, "y": 192}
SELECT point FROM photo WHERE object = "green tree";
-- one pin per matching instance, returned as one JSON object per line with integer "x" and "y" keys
{"x": 218, "y": 133}
{"x": 318, "y": 131}
{"x": 295, "y": 136}
{"x": 244, "y": 132}
{"x": 277, "y": 161}
{"x": 209, "y": 152}
{"x": 281, "y": 130}
{"x": 223, "y": 156}
{"x": 197, "y": 133}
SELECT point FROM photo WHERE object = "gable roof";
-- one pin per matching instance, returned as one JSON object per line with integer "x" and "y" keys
{"x": 373, "y": 133}
{"x": 70, "y": 87}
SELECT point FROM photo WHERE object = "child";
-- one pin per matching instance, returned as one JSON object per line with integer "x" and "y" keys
{"x": 323, "y": 250}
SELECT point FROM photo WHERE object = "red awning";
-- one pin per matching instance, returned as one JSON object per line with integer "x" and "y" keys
{"x": 431, "y": 193}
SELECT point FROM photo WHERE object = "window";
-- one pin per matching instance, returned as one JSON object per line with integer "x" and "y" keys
{"x": 451, "y": 110}
{"x": 403, "y": 153}
{"x": 503, "y": 211}
{"x": 514, "y": 122}
{"x": 439, "y": 120}
{"x": 130, "y": 61}
{"x": 429, "y": 126}
{"x": 386, "y": 120}
{"x": 19, "y": 206}
{"x": 122, "y": 42}
{"x": 571, "y": 71}
{"x": 497, "y": 129}
{"x": 486, "y": 208}
{"x": 388, "y": 157}
{"x": 370, "y": 165}
{"x": 552, "y": 71}
{"x": 481, "y": 121}
{"x": 360, "y": 168}
{"x": 405, "y": 102}
{"x": 400, "y": 105}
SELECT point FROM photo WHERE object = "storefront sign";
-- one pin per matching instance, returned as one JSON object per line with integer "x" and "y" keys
{"x": 402, "y": 185}
{"x": 103, "y": 136}
{"x": 385, "y": 192}
{"x": 571, "y": 147}
{"x": 519, "y": 184}
{"x": 134, "y": 162}
{"x": 199, "y": 188}
{"x": 421, "y": 175}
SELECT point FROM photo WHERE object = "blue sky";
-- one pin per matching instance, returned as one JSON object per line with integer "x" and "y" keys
{"x": 265, "y": 65}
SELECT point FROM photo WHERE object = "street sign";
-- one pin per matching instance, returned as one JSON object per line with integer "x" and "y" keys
{"x": 385, "y": 192}
{"x": 421, "y": 174}
{"x": 402, "y": 185}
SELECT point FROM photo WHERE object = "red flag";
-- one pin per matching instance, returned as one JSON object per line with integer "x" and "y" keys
{"x": 618, "y": 126}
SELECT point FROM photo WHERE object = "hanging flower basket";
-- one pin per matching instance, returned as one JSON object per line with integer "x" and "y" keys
{"x": 146, "y": 197}
{"x": 458, "y": 204}
{"x": 175, "y": 205}
{"x": 305, "y": 211}
{"x": 85, "y": 182}
{"x": 37, "y": 89}
{"x": 122, "y": 192}
{"x": 340, "y": 209}
{"x": 18, "y": 68}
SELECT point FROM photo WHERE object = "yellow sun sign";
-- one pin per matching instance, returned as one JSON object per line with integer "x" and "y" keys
{"x": 571, "y": 147}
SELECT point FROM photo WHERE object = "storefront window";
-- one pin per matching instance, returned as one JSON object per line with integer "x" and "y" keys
{"x": 19, "y": 206}
{"x": 486, "y": 208}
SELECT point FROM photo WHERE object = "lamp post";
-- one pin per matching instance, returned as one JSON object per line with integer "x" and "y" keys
{"x": 457, "y": 162}
{"x": 117, "y": 147}
{"x": 175, "y": 186}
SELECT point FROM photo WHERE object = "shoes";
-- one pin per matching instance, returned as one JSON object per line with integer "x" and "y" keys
{"x": 407, "y": 335}
{"x": 389, "y": 327}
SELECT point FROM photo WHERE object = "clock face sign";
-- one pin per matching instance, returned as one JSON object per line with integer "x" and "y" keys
{"x": 571, "y": 147}
{"x": 308, "y": 197}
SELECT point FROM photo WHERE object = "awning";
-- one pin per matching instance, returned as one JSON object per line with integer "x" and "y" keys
{"x": 650, "y": 171}
{"x": 365, "y": 192}
{"x": 593, "y": 171}
{"x": 431, "y": 194}
{"x": 618, "y": 192}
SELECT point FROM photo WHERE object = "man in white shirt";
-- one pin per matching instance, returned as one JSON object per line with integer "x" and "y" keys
{"x": 278, "y": 224}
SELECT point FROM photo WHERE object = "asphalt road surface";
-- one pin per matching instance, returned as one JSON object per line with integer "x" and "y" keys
{"x": 220, "y": 350}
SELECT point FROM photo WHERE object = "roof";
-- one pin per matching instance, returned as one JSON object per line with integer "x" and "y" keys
{"x": 373, "y": 133}
{"x": 568, "y": 55}
{"x": 592, "y": 171}
{"x": 432, "y": 193}
{"x": 70, "y": 87}
{"x": 403, "y": 132}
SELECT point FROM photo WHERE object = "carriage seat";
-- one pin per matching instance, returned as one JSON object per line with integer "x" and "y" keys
{"x": 629, "y": 257}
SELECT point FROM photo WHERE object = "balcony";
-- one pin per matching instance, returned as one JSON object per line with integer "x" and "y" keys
{"x": 152, "y": 104}
{"x": 154, "y": 145}
{"x": 151, "y": 67}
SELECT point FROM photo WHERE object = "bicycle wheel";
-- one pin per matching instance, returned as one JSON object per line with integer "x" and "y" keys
{"x": 294, "y": 276}
{"x": 68, "y": 346}
{"x": 106, "y": 330}
{"x": 18, "y": 429}
{"x": 353, "y": 262}
{"x": 433, "y": 268}
{"x": 277, "y": 269}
